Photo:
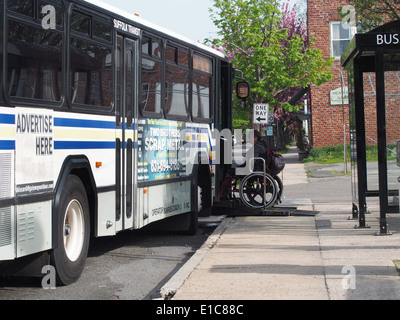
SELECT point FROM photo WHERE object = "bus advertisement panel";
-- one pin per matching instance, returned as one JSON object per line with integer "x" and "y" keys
{"x": 160, "y": 144}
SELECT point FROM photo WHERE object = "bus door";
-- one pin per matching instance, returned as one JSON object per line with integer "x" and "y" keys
{"x": 126, "y": 139}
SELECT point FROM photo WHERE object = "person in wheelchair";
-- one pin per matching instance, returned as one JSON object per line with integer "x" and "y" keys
{"x": 257, "y": 150}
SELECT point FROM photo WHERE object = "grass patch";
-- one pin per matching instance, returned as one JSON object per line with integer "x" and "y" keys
{"x": 335, "y": 154}
{"x": 397, "y": 265}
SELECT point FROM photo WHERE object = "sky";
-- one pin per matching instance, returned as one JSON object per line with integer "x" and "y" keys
{"x": 190, "y": 18}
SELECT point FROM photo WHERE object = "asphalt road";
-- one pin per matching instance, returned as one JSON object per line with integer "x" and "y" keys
{"x": 133, "y": 265}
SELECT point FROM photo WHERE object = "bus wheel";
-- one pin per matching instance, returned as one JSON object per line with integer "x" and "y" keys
{"x": 204, "y": 192}
{"x": 73, "y": 227}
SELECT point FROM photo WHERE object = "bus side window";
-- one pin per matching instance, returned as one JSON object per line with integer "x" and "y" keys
{"x": 151, "y": 86}
{"x": 1, "y": 78}
{"x": 177, "y": 84}
{"x": 177, "y": 100}
{"x": 201, "y": 95}
{"x": 151, "y": 77}
{"x": 91, "y": 74}
{"x": 34, "y": 62}
{"x": 24, "y": 7}
{"x": 1, "y": 51}
{"x": 202, "y": 83}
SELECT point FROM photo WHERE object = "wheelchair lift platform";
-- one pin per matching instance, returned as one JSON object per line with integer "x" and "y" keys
{"x": 232, "y": 208}
{"x": 278, "y": 211}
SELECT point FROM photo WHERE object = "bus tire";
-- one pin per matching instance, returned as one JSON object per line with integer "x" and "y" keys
{"x": 193, "y": 215}
{"x": 193, "y": 225}
{"x": 204, "y": 191}
{"x": 73, "y": 227}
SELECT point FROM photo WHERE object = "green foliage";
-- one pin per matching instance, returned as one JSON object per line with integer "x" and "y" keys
{"x": 238, "y": 123}
{"x": 335, "y": 154}
{"x": 273, "y": 58}
{"x": 328, "y": 154}
{"x": 372, "y": 13}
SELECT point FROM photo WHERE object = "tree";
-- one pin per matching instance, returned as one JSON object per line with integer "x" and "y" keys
{"x": 371, "y": 13}
{"x": 271, "y": 48}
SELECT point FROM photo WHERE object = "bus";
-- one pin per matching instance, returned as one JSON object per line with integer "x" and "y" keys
{"x": 106, "y": 125}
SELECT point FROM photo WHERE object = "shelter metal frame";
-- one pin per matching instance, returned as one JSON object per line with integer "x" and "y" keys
{"x": 377, "y": 51}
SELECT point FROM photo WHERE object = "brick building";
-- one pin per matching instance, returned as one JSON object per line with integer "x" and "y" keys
{"x": 330, "y": 120}
{"x": 331, "y": 37}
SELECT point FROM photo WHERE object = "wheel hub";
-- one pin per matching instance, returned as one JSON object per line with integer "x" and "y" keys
{"x": 67, "y": 230}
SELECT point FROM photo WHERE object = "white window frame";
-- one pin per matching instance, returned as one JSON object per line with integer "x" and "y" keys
{"x": 352, "y": 32}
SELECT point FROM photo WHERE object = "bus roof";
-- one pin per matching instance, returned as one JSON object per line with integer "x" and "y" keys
{"x": 153, "y": 26}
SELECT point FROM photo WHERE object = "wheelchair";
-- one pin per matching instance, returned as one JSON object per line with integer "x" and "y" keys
{"x": 259, "y": 189}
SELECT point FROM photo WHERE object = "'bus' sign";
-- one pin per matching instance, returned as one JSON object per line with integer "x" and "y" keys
{"x": 387, "y": 39}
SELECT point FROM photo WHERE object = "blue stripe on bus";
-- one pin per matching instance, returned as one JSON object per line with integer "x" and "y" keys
{"x": 7, "y": 119}
{"x": 7, "y": 145}
{"x": 81, "y": 123}
{"x": 82, "y": 145}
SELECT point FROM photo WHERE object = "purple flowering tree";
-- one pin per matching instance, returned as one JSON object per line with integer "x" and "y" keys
{"x": 269, "y": 44}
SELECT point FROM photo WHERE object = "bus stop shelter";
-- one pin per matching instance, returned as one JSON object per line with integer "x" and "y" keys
{"x": 372, "y": 61}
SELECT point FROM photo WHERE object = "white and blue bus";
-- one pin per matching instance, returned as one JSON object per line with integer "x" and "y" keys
{"x": 103, "y": 120}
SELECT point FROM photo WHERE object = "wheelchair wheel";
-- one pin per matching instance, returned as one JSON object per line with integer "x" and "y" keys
{"x": 279, "y": 183}
{"x": 252, "y": 190}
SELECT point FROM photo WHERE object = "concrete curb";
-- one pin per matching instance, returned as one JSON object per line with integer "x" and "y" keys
{"x": 179, "y": 278}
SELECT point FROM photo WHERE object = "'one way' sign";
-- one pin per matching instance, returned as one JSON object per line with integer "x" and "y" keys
{"x": 260, "y": 115}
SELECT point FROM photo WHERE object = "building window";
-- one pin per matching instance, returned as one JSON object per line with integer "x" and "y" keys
{"x": 341, "y": 36}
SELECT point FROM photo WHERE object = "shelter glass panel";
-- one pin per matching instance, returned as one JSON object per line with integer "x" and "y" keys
{"x": 371, "y": 133}
{"x": 392, "y": 103}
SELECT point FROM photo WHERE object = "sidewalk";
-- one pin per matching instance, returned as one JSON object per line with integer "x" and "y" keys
{"x": 319, "y": 256}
